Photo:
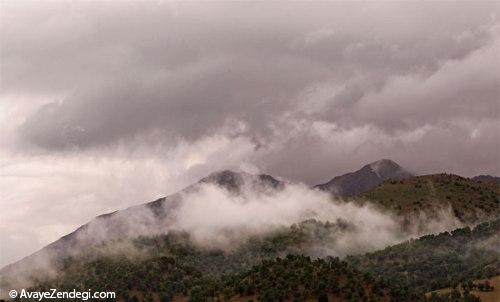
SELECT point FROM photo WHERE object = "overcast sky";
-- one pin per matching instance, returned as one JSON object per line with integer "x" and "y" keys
{"x": 108, "y": 104}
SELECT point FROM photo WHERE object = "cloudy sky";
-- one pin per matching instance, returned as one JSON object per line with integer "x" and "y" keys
{"x": 106, "y": 104}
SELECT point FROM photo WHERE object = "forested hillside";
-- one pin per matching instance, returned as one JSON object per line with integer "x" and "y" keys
{"x": 437, "y": 261}
{"x": 470, "y": 201}
{"x": 273, "y": 267}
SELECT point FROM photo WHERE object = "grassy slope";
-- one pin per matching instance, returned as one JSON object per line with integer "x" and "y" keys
{"x": 470, "y": 200}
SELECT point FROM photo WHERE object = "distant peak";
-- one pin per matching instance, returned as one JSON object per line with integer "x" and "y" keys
{"x": 487, "y": 179}
{"x": 226, "y": 178}
{"x": 233, "y": 181}
{"x": 365, "y": 178}
{"x": 386, "y": 168}
{"x": 384, "y": 162}
{"x": 224, "y": 173}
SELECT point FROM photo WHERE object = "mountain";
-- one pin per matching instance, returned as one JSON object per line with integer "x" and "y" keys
{"x": 467, "y": 200}
{"x": 364, "y": 179}
{"x": 470, "y": 201}
{"x": 122, "y": 248}
{"x": 487, "y": 179}
{"x": 150, "y": 218}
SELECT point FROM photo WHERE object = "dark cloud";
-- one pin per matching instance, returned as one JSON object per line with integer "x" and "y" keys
{"x": 187, "y": 71}
{"x": 191, "y": 102}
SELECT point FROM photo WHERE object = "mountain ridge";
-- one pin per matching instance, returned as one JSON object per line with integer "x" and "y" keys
{"x": 152, "y": 215}
{"x": 84, "y": 235}
{"x": 487, "y": 178}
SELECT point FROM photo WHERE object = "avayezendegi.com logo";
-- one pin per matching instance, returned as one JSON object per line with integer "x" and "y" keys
{"x": 55, "y": 294}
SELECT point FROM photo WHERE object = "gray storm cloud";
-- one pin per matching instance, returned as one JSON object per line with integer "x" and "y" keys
{"x": 122, "y": 70}
{"x": 163, "y": 93}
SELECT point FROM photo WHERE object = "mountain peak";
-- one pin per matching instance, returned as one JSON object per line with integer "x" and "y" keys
{"x": 384, "y": 162}
{"x": 386, "y": 169}
{"x": 234, "y": 181}
{"x": 228, "y": 179}
{"x": 364, "y": 179}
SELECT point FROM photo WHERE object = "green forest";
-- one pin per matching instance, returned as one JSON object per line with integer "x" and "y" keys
{"x": 272, "y": 268}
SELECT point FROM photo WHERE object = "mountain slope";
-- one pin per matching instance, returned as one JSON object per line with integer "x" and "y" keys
{"x": 278, "y": 279}
{"x": 469, "y": 201}
{"x": 364, "y": 179}
{"x": 437, "y": 261}
{"x": 299, "y": 278}
{"x": 274, "y": 267}
{"x": 154, "y": 263}
{"x": 150, "y": 218}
